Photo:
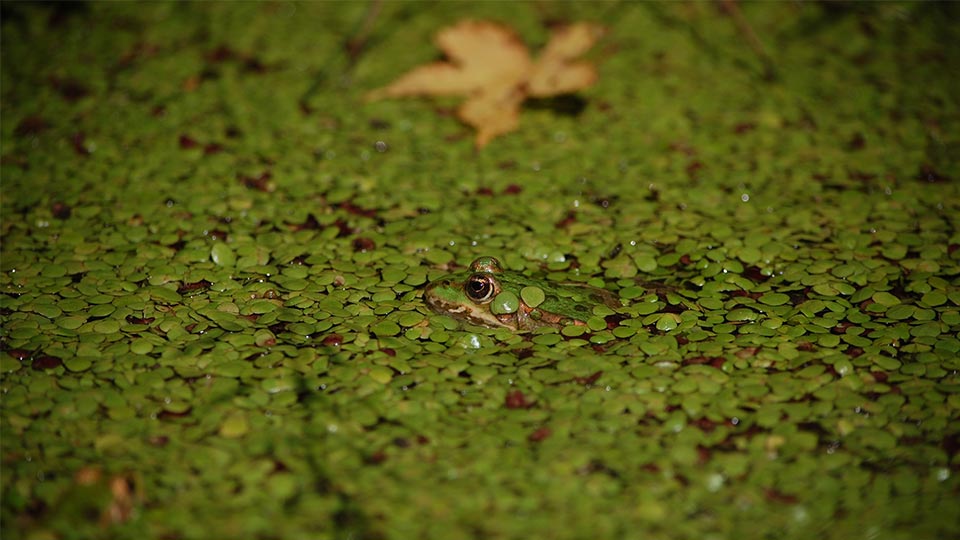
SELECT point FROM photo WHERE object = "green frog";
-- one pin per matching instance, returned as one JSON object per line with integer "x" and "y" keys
{"x": 486, "y": 295}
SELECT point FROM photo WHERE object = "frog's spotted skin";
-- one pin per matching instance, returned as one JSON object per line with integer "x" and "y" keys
{"x": 486, "y": 295}
{"x": 489, "y": 265}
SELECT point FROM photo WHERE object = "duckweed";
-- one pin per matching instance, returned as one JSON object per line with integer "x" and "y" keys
{"x": 214, "y": 250}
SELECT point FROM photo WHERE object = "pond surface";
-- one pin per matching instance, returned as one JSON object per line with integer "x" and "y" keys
{"x": 214, "y": 252}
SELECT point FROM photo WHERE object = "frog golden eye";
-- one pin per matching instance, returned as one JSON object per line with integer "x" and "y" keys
{"x": 480, "y": 288}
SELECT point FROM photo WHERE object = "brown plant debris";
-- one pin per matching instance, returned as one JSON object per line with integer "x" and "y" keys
{"x": 491, "y": 66}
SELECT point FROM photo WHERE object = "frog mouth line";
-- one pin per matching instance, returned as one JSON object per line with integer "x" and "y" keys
{"x": 473, "y": 315}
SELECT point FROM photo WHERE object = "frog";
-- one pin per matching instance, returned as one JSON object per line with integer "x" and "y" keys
{"x": 487, "y": 295}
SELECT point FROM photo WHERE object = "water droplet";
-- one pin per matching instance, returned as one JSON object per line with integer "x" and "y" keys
{"x": 714, "y": 482}
{"x": 800, "y": 514}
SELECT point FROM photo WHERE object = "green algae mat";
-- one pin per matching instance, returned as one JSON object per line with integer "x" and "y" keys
{"x": 215, "y": 252}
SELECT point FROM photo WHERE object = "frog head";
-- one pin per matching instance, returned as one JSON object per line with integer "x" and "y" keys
{"x": 486, "y": 295}
{"x": 468, "y": 295}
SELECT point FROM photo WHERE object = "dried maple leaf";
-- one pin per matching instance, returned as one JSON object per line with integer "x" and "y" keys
{"x": 490, "y": 65}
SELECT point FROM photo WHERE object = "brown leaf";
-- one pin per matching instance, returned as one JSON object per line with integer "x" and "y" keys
{"x": 492, "y": 112}
{"x": 491, "y": 66}
{"x": 481, "y": 53}
{"x": 555, "y": 72}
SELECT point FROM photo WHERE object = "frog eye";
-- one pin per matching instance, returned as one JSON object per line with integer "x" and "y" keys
{"x": 480, "y": 288}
